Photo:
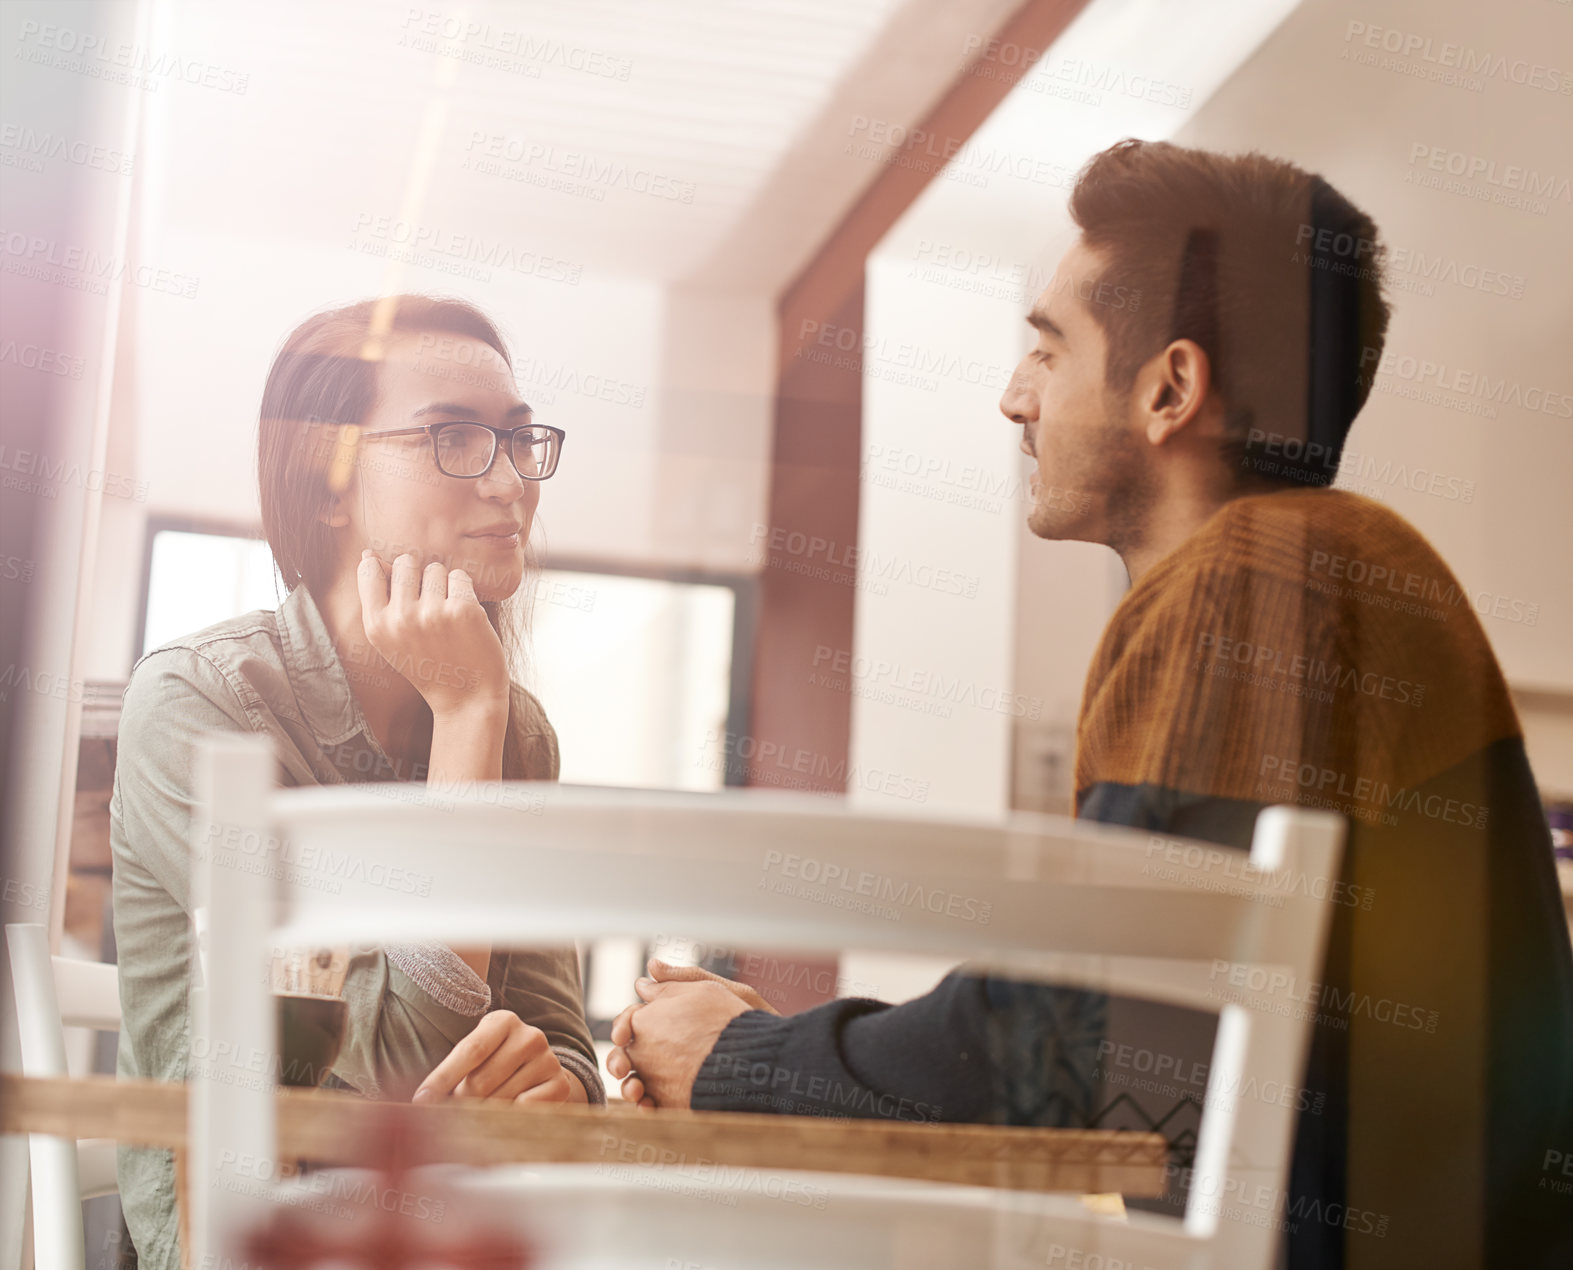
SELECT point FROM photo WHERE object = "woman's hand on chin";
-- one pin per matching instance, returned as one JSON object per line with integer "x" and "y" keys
{"x": 505, "y": 1060}
{"x": 429, "y": 626}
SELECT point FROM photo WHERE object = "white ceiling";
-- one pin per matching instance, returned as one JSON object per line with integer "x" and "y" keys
{"x": 740, "y": 110}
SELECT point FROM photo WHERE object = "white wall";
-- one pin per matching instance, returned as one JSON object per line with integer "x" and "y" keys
{"x": 716, "y": 364}
{"x": 931, "y": 673}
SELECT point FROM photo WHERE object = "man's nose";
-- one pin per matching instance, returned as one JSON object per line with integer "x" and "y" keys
{"x": 1019, "y": 403}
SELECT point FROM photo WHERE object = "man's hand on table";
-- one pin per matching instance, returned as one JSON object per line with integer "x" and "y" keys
{"x": 663, "y": 1040}
{"x": 505, "y": 1060}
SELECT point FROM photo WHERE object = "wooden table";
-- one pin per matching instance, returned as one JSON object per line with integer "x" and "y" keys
{"x": 330, "y": 1128}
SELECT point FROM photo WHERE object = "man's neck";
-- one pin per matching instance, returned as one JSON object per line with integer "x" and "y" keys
{"x": 1170, "y": 522}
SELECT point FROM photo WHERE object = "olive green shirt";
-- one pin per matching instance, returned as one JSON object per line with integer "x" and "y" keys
{"x": 278, "y": 674}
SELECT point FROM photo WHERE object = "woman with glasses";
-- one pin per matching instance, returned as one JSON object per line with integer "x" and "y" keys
{"x": 400, "y": 474}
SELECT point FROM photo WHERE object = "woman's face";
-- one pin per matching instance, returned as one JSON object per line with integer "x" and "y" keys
{"x": 398, "y": 499}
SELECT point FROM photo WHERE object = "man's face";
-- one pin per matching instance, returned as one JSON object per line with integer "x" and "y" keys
{"x": 1091, "y": 475}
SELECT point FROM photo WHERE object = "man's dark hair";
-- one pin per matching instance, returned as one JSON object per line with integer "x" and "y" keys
{"x": 1273, "y": 272}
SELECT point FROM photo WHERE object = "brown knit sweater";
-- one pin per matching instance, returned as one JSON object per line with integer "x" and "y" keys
{"x": 1307, "y": 625}
{"x": 1310, "y": 647}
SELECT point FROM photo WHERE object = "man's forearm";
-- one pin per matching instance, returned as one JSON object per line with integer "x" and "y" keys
{"x": 975, "y": 1049}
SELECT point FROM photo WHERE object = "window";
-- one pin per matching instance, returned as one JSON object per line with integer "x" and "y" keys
{"x": 197, "y": 579}
{"x": 639, "y": 671}
{"x": 635, "y": 674}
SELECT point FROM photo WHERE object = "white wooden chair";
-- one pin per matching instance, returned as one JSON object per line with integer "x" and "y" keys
{"x": 53, "y": 993}
{"x": 1039, "y": 896}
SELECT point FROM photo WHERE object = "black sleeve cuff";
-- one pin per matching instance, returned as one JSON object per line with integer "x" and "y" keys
{"x": 749, "y": 1043}
{"x": 792, "y": 1066}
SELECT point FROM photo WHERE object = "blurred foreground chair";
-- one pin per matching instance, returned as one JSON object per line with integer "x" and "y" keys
{"x": 1034, "y": 896}
{"x": 53, "y": 993}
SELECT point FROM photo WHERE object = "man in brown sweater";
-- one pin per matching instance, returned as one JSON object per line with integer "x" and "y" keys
{"x": 1202, "y": 352}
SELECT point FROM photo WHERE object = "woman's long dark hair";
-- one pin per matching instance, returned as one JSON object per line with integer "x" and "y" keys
{"x": 324, "y": 377}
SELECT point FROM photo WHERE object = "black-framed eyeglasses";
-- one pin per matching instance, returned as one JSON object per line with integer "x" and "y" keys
{"x": 466, "y": 450}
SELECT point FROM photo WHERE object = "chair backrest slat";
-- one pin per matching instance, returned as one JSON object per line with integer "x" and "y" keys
{"x": 89, "y": 993}
{"x": 1111, "y": 908}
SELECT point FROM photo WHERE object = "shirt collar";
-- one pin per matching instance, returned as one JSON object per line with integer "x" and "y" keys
{"x": 316, "y": 675}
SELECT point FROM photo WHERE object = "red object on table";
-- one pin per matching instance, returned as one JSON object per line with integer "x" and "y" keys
{"x": 392, "y": 1240}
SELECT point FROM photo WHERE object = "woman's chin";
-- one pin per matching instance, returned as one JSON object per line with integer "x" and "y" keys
{"x": 493, "y": 579}
{"x": 497, "y": 589}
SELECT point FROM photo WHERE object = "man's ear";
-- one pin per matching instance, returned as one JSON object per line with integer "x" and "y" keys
{"x": 1172, "y": 388}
